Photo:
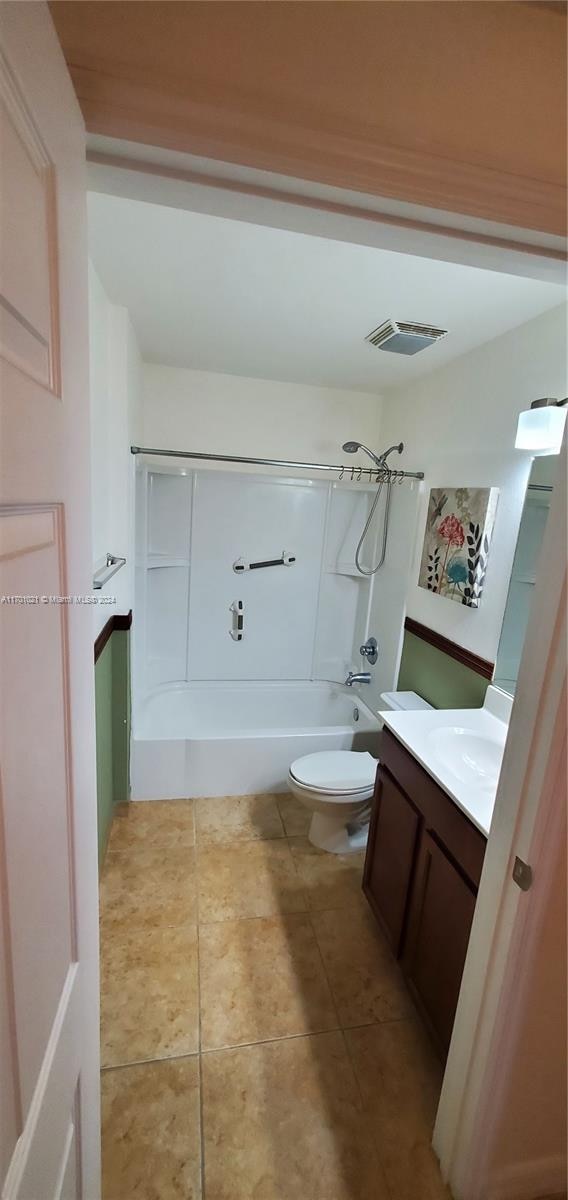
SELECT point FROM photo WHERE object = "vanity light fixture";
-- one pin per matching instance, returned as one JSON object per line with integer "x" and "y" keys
{"x": 541, "y": 427}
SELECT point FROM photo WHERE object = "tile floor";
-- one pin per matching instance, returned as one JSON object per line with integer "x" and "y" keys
{"x": 258, "y": 1042}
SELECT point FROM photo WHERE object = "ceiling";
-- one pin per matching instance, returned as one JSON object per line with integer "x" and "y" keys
{"x": 216, "y": 294}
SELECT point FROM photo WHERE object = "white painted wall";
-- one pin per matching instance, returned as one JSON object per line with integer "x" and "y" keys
{"x": 458, "y": 426}
{"x": 115, "y": 423}
{"x": 228, "y": 414}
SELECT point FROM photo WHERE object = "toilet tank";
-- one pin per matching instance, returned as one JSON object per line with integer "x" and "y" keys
{"x": 403, "y": 701}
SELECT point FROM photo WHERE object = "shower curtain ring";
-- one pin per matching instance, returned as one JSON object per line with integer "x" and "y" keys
{"x": 352, "y": 473}
{"x": 342, "y": 473}
{"x": 360, "y": 474}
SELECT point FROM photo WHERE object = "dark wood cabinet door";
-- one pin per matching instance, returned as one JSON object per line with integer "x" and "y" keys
{"x": 439, "y": 922}
{"x": 389, "y": 863}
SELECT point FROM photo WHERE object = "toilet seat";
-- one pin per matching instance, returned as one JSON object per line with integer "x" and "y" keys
{"x": 333, "y": 794}
{"x": 331, "y": 798}
{"x": 336, "y": 772}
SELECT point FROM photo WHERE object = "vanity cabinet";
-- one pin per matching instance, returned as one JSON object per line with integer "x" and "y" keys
{"x": 440, "y": 914}
{"x": 391, "y": 849}
{"x": 422, "y": 870}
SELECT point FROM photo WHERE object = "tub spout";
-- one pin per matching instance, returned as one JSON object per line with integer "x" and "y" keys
{"x": 358, "y": 677}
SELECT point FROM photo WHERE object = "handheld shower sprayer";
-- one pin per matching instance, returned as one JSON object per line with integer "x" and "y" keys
{"x": 380, "y": 462}
{"x": 353, "y": 447}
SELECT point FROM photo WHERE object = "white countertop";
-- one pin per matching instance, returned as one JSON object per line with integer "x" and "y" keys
{"x": 461, "y": 748}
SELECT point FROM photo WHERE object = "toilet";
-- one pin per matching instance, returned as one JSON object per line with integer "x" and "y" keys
{"x": 337, "y": 787}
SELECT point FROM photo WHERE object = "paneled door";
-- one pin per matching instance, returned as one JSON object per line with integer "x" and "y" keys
{"x": 49, "y": 1124}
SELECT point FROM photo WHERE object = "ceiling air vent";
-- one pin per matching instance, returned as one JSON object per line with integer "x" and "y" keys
{"x": 404, "y": 337}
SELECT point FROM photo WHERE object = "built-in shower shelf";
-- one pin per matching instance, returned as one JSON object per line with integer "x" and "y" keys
{"x": 154, "y": 561}
{"x": 344, "y": 568}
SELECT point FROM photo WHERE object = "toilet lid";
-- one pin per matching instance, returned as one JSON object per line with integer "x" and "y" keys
{"x": 336, "y": 770}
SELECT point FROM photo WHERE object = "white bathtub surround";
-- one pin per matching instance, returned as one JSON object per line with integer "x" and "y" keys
{"x": 215, "y": 739}
{"x": 300, "y": 621}
{"x": 462, "y": 749}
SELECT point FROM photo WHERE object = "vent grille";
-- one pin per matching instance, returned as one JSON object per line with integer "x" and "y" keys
{"x": 404, "y": 330}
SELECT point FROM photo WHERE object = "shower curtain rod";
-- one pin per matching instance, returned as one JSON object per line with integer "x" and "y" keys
{"x": 276, "y": 462}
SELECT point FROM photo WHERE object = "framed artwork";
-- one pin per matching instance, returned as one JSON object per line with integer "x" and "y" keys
{"x": 457, "y": 540}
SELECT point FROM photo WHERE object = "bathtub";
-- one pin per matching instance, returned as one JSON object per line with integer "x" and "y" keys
{"x": 234, "y": 739}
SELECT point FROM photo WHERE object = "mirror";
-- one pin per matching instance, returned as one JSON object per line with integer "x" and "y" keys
{"x": 524, "y": 572}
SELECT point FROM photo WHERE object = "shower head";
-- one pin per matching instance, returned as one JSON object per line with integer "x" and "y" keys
{"x": 353, "y": 447}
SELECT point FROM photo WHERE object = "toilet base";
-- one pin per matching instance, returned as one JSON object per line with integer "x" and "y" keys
{"x": 332, "y": 834}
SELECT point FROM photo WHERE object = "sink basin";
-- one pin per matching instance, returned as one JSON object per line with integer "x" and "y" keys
{"x": 471, "y": 756}
{"x": 461, "y": 748}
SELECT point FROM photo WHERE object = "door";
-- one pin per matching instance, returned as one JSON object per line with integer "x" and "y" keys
{"x": 439, "y": 924}
{"x": 49, "y": 1148}
{"x": 389, "y": 861}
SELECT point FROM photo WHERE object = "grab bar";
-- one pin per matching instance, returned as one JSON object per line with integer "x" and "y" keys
{"x": 238, "y": 611}
{"x": 241, "y": 564}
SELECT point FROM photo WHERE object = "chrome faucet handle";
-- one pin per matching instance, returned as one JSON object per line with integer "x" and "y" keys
{"x": 370, "y": 650}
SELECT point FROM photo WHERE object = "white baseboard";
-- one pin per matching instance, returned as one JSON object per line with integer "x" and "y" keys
{"x": 530, "y": 1180}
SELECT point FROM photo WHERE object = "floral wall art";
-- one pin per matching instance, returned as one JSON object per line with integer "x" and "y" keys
{"x": 456, "y": 542}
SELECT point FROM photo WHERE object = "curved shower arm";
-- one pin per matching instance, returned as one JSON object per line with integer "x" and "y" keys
{"x": 399, "y": 446}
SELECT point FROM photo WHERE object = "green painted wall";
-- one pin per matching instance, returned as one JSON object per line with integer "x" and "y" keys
{"x": 121, "y": 714}
{"x": 112, "y": 716}
{"x": 441, "y": 680}
{"x": 103, "y": 719}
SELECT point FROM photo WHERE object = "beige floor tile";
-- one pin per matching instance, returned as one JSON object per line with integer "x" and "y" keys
{"x": 283, "y": 1121}
{"x": 261, "y": 979}
{"x": 150, "y": 1132}
{"x": 149, "y": 994}
{"x": 366, "y": 982}
{"x": 146, "y": 889}
{"x": 222, "y": 820}
{"x": 400, "y": 1080}
{"x": 151, "y": 823}
{"x": 295, "y": 816}
{"x": 253, "y": 879}
{"x": 330, "y": 880}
